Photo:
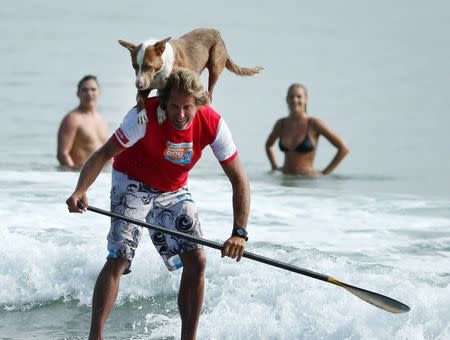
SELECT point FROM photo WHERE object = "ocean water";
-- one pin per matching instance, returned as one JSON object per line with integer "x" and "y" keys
{"x": 377, "y": 74}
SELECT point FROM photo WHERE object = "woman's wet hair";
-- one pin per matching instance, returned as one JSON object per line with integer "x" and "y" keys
{"x": 186, "y": 81}
{"x": 86, "y": 78}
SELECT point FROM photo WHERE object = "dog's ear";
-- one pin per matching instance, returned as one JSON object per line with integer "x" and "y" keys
{"x": 160, "y": 46}
{"x": 129, "y": 46}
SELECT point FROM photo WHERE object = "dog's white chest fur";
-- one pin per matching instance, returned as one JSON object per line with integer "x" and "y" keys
{"x": 160, "y": 79}
{"x": 168, "y": 59}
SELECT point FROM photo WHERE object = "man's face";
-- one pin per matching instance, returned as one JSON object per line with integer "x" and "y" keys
{"x": 181, "y": 109}
{"x": 89, "y": 92}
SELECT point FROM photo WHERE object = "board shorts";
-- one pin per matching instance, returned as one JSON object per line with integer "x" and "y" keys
{"x": 175, "y": 210}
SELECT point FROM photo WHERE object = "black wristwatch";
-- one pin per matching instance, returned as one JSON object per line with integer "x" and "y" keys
{"x": 240, "y": 232}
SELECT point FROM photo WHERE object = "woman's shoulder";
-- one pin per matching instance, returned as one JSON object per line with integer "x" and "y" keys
{"x": 280, "y": 121}
{"x": 279, "y": 124}
{"x": 318, "y": 125}
{"x": 315, "y": 122}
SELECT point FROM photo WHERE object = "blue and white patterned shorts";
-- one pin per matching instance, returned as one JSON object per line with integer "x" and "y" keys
{"x": 175, "y": 210}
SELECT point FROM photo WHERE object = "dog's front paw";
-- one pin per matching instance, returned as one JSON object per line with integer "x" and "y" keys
{"x": 142, "y": 117}
{"x": 161, "y": 115}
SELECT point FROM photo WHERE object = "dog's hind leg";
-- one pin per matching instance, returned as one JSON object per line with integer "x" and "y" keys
{"x": 212, "y": 80}
{"x": 217, "y": 59}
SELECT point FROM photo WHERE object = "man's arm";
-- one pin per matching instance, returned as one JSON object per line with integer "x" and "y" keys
{"x": 66, "y": 137}
{"x": 234, "y": 246}
{"x": 89, "y": 173}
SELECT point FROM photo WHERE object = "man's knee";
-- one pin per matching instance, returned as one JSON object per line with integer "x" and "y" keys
{"x": 116, "y": 267}
{"x": 194, "y": 262}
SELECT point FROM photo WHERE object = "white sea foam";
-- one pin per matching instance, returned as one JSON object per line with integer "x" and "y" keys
{"x": 380, "y": 244}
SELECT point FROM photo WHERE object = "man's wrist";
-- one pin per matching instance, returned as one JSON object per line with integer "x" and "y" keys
{"x": 240, "y": 232}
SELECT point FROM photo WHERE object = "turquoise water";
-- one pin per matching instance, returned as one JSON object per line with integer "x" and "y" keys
{"x": 376, "y": 74}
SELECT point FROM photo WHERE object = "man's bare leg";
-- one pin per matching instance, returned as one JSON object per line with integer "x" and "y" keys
{"x": 190, "y": 296}
{"x": 105, "y": 294}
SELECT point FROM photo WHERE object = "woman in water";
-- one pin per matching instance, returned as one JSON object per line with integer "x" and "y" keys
{"x": 298, "y": 136}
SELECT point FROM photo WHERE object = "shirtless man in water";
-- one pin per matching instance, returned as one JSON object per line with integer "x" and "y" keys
{"x": 83, "y": 130}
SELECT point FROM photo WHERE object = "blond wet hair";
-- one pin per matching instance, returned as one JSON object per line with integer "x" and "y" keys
{"x": 186, "y": 81}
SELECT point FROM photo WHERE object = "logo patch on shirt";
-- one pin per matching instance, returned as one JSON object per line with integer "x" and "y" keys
{"x": 179, "y": 153}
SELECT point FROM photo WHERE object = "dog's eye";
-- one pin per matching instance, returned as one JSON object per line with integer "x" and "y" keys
{"x": 135, "y": 66}
{"x": 145, "y": 67}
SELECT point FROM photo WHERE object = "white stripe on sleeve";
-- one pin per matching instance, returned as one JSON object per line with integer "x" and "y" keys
{"x": 130, "y": 131}
{"x": 223, "y": 146}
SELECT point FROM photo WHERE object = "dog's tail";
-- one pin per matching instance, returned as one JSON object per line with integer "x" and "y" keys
{"x": 241, "y": 71}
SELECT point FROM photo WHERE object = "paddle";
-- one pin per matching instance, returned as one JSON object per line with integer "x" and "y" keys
{"x": 378, "y": 300}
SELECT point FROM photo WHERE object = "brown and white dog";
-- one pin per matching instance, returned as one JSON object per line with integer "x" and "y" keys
{"x": 154, "y": 60}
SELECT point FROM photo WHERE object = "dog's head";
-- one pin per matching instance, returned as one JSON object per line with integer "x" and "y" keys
{"x": 147, "y": 60}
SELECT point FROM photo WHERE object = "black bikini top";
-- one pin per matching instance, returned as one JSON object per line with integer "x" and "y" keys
{"x": 304, "y": 146}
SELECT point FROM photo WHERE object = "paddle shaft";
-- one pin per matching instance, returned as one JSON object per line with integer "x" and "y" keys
{"x": 215, "y": 245}
{"x": 384, "y": 302}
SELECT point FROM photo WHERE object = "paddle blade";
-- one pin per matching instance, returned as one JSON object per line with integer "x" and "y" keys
{"x": 378, "y": 300}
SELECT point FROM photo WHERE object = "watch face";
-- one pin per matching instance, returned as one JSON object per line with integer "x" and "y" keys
{"x": 241, "y": 232}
